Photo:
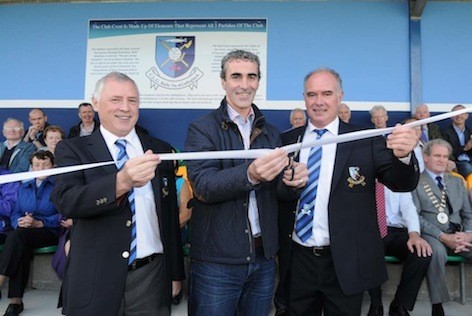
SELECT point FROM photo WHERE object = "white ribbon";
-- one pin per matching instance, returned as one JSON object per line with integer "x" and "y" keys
{"x": 20, "y": 176}
{"x": 236, "y": 154}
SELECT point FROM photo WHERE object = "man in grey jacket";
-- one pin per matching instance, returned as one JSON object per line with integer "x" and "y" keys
{"x": 445, "y": 217}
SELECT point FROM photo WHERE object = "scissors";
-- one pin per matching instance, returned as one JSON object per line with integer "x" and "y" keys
{"x": 294, "y": 156}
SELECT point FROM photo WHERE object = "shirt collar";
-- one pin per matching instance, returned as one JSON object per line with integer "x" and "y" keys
{"x": 110, "y": 139}
{"x": 235, "y": 116}
{"x": 457, "y": 129}
{"x": 332, "y": 127}
{"x": 434, "y": 175}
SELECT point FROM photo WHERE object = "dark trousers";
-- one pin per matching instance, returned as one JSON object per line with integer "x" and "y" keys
{"x": 413, "y": 273}
{"x": 464, "y": 168}
{"x": 146, "y": 291}
{"x": 314, "y": 286}
{"x": 17, "y": 254}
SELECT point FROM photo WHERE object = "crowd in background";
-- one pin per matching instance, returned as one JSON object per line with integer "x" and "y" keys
{"x": 30, "y": 220}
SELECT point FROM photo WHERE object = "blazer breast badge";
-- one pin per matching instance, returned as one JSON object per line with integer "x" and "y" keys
{"x": 355, "y": 177}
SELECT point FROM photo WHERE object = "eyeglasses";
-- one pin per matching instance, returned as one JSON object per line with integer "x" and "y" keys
{"x": 12, "y": 129}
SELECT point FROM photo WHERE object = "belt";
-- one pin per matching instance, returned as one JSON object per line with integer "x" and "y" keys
{"x": 257, "y": 242}
{"x": 141, "y": 262}
{"x": 258, "y": 246}
{"x": 317, "y": 251}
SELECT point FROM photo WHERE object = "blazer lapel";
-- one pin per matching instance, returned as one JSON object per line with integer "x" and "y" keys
{"x": 343, "y": 151}
{"x": 99, "y": 150}
{"x": 432, "y": 183}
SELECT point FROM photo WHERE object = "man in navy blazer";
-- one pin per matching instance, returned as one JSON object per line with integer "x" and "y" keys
{"x": 343, "y": 255}
{"x": 99, "y": 278}
{"x": 459, "y": 135}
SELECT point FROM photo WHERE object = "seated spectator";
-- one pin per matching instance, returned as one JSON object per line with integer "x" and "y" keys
{"x": 400, "y": 232}
{"x": 14, "y": 152}
{"x": 87, "y": 124}
{"x": 184, "y": 201}
{"x": 344, "y": 112}
{"x": 36, "y": 224}
{"x": 429, "y": 131}
{"x": 458, "y": 134}
{"x": 185, "y": 204}
{"x": 297, "y": 118}
{"x": 38, "y": 121}
{"x": 8, "y": 194}
{"x": 379, "y": 116}
{"x": 445, "y": 214}
{"x": 59, "y": 259}
{"x": 52, "y": 134}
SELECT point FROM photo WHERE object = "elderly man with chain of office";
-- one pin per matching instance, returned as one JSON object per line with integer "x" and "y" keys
{"x": 445, "y": 216}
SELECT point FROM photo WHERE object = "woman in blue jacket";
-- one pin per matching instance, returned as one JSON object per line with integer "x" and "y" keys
{"x": 36, "y": 224}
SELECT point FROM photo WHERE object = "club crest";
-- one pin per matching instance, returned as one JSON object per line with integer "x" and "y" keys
{"x": 175, "y": 54}
{"x": 174, "y": 57}
{"x": 355, "y": 177}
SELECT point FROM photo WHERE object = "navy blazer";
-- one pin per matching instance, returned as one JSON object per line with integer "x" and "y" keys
{"x": 356, "y": 246}
{"x": 451, "y": 137}
{"x": 96, "y": 270}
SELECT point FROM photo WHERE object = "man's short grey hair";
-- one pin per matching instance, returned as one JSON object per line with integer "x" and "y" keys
{"x": 439, "y": 142}
{"x": 239, "y": 55}
{"x": 324, "y": 69}
{"x": 422, "y": 105}
{"x": 117, "y": 76}
{"x": 297, "y": 110}
{"x": 376, "y": 108}
{"x": 11, "y": 119}
{"x": 344, "y": 105}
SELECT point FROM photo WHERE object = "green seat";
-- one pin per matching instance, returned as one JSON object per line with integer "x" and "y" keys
{"x": 50, "y": 249}
{"x": 455, "y": 259}
{"x": 391, "y": 259}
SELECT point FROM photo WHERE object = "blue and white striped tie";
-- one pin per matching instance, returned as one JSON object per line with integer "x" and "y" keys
{"x": 304, "y": 220}
{"x": 120, "y": 162}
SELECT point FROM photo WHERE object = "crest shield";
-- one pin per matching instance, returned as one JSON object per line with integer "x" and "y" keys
{"x": 175, "y": 54}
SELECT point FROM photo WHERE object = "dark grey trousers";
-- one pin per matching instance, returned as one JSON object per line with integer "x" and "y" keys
{"x": 145, "y": 292}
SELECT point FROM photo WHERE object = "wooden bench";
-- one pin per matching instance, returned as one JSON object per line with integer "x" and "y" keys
{"x": 450, "y": 259}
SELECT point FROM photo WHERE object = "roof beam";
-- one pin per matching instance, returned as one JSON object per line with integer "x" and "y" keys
{"x": 416, "y": 8}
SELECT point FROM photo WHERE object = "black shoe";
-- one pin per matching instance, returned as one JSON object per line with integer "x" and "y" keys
{"x": 376, "y": 310}
{"x": 438, "y": 310}
{"x": 14, "y": 309}
{"x": 282, "y": 311}
{"x": 398, "y": 310}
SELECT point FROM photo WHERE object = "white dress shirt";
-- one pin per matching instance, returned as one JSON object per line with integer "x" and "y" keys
{"x": 401, "y": 210}
{"x": 147, "y": 223}
{"x": 245, "y": 128}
